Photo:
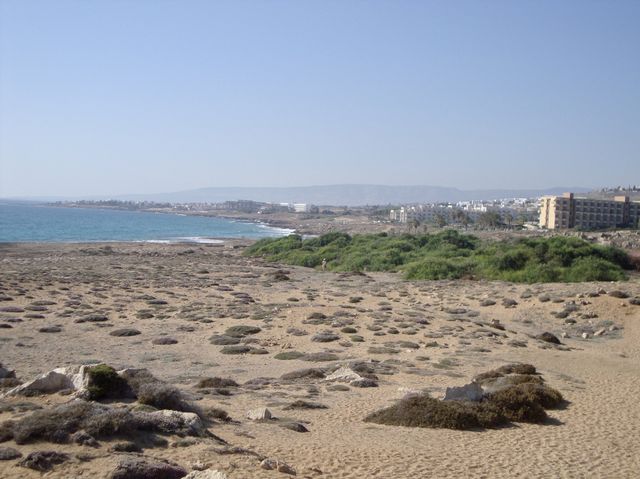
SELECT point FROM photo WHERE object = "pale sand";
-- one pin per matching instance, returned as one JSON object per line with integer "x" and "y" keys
{"x": 597, "y": 435}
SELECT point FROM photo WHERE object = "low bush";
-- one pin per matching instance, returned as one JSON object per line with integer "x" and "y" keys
{"x": 300, "y": 404}
{"x": 104, "y": 382}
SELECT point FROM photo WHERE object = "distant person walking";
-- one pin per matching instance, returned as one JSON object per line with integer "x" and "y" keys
{"x": 324, "y": 264}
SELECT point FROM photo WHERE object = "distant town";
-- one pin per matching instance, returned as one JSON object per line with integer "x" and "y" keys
{"x": 607, "y": 208}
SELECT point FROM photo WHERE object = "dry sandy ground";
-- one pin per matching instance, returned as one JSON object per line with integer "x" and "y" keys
{"x": 209, "y": 288}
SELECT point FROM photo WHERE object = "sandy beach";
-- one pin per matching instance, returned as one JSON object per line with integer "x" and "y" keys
{"x": 413, "y": 336}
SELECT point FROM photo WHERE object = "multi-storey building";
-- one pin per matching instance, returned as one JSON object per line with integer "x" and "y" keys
{"x": 567, "y": 211}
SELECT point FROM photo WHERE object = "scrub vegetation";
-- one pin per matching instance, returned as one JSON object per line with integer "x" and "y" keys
{"x": 453, "y": 255}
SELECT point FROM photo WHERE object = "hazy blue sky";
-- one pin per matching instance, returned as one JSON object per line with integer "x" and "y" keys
{"x": 112, "y": 97}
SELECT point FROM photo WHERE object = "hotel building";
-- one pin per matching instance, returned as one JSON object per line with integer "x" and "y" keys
{"x": 567, "y": 211}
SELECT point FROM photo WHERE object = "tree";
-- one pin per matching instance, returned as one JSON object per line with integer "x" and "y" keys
{"x": 509, "y": 218}
{"x": 440, "y": 220}
{"x": 489, "y": 219}
{"x": 414, "y": 223}
{"x": 462, "y": 217}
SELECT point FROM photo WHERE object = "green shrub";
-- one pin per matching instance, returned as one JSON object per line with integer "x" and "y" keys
{"x": 104, "y": 382}
{"x": 452, "y": 255}
{"x": 593, "y": 269}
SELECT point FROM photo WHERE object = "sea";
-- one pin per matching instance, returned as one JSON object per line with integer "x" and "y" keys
{"x": 26, "y": 222}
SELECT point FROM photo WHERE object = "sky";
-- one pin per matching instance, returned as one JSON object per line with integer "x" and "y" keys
{"x": 118, "y": 97}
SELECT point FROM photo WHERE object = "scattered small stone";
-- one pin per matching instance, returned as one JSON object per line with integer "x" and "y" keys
{"x": 84, "y": 439}
{"x": 9, "y": 453}
{"x": 44, "y": 461}
{"x": 274, "y": 464}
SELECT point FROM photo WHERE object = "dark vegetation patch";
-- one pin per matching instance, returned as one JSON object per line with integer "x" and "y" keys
{"x": 124, "y": 332}
{"x": 223, "y": 340}
{"x": 104, "y": 382}
{"x": 319, "y": 357}
{"x": 289, "y": 355}
{"x": 309, "y": 373}
{"x": 237, "y": 349}
{"x": 452, "y": 255}
{"x": 151, "y": 391}
{"x": 217, "y": 414}
{"x": 50, "y": 329}
{"x": 300, "y": 404}
{"x": 241, "y": 331}
{"x": 57, "y": 424}
{"x": 216, "y": 382}
{"x": 92, "y": 318}
{"x": 522, "y": 397}
{"x": 548, "y": 338}
{"x": 166, "y": 340}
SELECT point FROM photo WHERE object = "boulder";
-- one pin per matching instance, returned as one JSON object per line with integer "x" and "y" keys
{"x": 260, "y": 414}
{"x": 468, "y": 392}
{"x": 74, "y": 378}
{"x": 141, "y": 468}
{"x": 188, "y": 421}
{"x": 6, "y": 373}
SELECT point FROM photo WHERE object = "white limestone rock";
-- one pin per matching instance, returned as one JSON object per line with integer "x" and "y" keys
{"x": 260, "y": 414}
{"x": 344, "y": 375}
{"x": 206, "y": 474}
{"x": 74, "y": 377}
{"x": 468, "y": 392}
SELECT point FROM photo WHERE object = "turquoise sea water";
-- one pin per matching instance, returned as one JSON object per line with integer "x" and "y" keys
{"x": 40, "y": 223}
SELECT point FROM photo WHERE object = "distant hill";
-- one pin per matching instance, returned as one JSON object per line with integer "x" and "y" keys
{"x": 349, "y": 195}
